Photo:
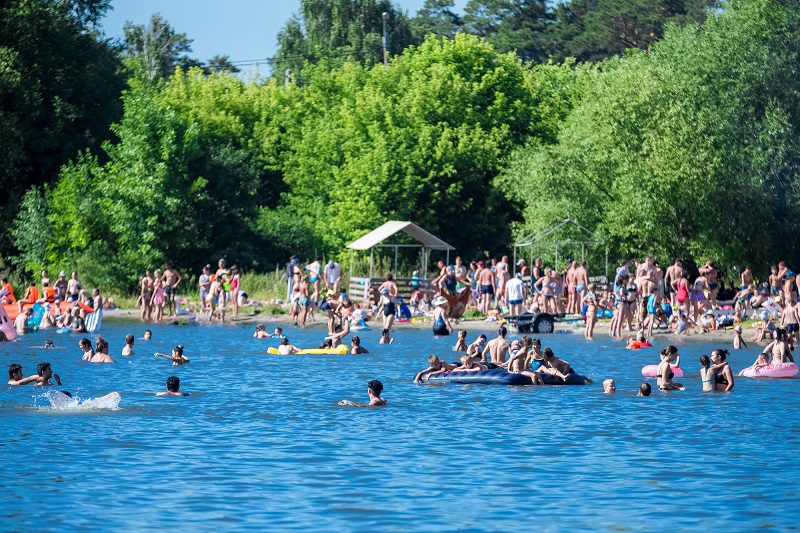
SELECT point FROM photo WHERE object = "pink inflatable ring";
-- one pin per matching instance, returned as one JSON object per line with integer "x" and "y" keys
{"x": 650, "y": 371}
{"x": 779, "y": 370}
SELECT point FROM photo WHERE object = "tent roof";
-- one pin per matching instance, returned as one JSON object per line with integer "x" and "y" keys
{"x": 533, "y": 238}
{"x": 376, "y": 236}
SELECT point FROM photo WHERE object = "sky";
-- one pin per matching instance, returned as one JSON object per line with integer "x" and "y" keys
{"x": 241, "y": 29}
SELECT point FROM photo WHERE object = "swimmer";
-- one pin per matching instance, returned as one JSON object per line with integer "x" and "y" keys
{"x": 356, "y": 349}
{"x": 435, "y": 366}
{"x": 385, "y": 338}
{"x": 21, "y": 322}
{"x": 724, "y": 375}
{"x": 340, "y": 332}
{"x": 609, "y": 386}
{"x": 326, "y": 344}
{"x": 173, "y": 388}
{"x": 86, "y": 347}
{"x": 261, "y": 332}
{"x": 498, "y": 347}
{"x": 278, "y": 333}
{"x": 665, "y": 373}
{"x": 286, "y": 348}
{"x": 374, "y": 389}
{"x": 708, "y": 373}
{"x": 15, "y": 376}
{"x": 461, "y": 343}
{"x": 63, "y": 399}
{"x": 177, "y": 356}
{"x": 45, "y": 373}
{"x": 148, "y": 335}
{"x": 645, "y": 390}
{"x": 476, "y": 348}
{"x": 101, "y": 352}
{"x": 128, "y": 349}
{"x": 738, "y": 341}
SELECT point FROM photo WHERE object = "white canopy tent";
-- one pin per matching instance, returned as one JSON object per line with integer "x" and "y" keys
{"x": 545, "y": 238}
{"x": 373, "y": 239}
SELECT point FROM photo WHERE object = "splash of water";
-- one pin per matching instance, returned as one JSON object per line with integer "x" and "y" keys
{"x": 62, "y": 402}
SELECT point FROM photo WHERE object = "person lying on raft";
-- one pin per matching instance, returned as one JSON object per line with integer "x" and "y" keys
{"x": 468, "y": 364}
{"x": 435, "y": 366}
{"x": 177, "y": 356}
{"x": 356, "y": 348}
{"x": 286, "y": 348}
{"x": 374, "y": 389}
{"x": 15, "y": 376}
{"x": 173, "y": 388}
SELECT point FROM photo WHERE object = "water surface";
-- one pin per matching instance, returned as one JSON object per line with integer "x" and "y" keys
{"x": 261, "y": 442}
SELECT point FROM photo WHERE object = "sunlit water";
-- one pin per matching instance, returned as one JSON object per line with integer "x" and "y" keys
{"x": 261, "y": 442}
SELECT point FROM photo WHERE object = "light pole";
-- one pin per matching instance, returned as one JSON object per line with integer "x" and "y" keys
{"x": 385, "y": 17}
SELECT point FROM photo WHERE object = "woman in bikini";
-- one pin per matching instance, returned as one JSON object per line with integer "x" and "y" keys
{"x": 665, "y": 373}
{"x": 724, "y": 376}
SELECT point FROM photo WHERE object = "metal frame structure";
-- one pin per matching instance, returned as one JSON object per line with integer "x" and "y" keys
{"x": 534, "y": 239}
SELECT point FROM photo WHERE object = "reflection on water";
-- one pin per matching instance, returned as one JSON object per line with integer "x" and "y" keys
{"x": 261, "y": 441}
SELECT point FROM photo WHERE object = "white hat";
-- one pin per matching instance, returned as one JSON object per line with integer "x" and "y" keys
{"x": 521, "y": 262}
{"x": 441, "y": 300}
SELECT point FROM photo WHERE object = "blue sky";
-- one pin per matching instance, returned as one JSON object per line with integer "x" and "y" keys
{"x": 241, "y": 29}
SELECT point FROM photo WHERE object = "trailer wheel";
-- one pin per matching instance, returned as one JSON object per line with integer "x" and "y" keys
{"x": 544, "y": 324}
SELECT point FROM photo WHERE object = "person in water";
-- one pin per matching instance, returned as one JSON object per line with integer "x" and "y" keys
{"x": 173, "y": 388}
{"x": 101, "y": 352}
{"x": 148, "y": 335}
{"x": 286, "y": 347}
{"x": 128, "y": 349}
{"x": 177, "y": 356}
{"x": 665, "y": 374}
{"x": 645, "y": 390}
{"x": 724, "y": 374}
{"x": 374, "y": 389}
{"x": 609, "y": 386}
{"x": 261, "y": 332}
{"x": 15, "y": 376}
{"x": 435, "y": 366}
{"x": 708, "y": 373}
{"x": 779, "y": 348}
{"x": 356, "y": 347}
{"x": 385, "y": 337}
{"x": 498, "y": 347}
{"x": 476, "y": 348}
{"x": 461, "y": 343}
{"x": 45, "y": 373}
{"x": 738, "y": 341}
{"x": 441, "y": 322}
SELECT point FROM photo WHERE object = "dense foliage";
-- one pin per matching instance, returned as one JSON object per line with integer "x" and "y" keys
{"x": 687, "y": 147}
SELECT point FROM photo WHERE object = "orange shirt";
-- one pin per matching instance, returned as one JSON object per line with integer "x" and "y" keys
{"x": 31, "y": 294}
{"x": 50, "y": 294}
{"x": 10, "y": 289}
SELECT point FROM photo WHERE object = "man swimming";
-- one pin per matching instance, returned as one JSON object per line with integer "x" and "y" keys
{"x": 374, "y": 389}
{"x": 45, "y": 373}
{"x": 173, "y": 388}
{"x": 15, "y": 376}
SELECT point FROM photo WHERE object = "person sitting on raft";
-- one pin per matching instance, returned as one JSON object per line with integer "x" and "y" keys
{"x": 385, "y": 337}
{"x": 779, "y": 348}
{"x": 341, "y": 331}
{"x": 461, "y": 343}
{"x": 519, "y": 352}
{"x": 15, "y": 376}
{"x": 177, "y": 356}
{"x": 554, "y": 366}
{"x": 374, "y": 389}
{"x": 356, "y": 347}
{"x": 435, "y": 366}
{"x": 665, "y": 373}
{"x": 286, "y": 348}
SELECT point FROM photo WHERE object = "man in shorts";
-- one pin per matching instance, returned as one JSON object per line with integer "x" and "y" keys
{"x": 171, "y": 280}
{"x": 486, "y": 280}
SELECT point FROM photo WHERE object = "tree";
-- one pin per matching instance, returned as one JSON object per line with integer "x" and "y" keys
{"x": 219, "y": 64}
{"x": 60, "y": 82}
{"x": 337, "y": 31}
{"x": 437, "y": 17}
{"x": 156, "y": 48}
{"x": 593, "y": 30}
{"x": 510, "y": 25}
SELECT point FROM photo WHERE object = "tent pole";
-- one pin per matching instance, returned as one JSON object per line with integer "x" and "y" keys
{"x": 395, "y": 262}
{"x": 371, "y": 254}
{"x": 448, "y": 256}
{"x": 556, "y": 267}
{"x": 515, "y": 261}
{"x": 351, "y": 264}
{"x": 582, "y": 253}
{"x": 606, "y": 265}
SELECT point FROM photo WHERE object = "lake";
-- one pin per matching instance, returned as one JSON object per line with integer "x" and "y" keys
{"x": 261, "y": 442}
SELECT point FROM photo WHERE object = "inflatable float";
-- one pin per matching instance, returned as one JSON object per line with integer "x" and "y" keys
{"x": 7, "y": 331}
{"x": 12, "y": 310}
{"x": 778, "y": 370}
{"x": 93, "y": 321}
{"x": 498, "y": 376}
{"x": 339, "y": 350}
{"x": 650, "y": 371}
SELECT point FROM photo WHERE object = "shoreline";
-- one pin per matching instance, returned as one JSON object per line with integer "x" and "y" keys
{"x": 477, "y": 326}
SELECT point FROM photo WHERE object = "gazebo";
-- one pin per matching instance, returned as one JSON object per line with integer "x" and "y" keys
{"x": 374, "y": 239}
{"x": 547, "y": 237}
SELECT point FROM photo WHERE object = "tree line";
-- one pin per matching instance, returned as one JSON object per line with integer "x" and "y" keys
{"x": 498, "y": 123}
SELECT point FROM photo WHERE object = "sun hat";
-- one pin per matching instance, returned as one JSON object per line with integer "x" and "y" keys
{"x": 521, "y": 262}
{"x": 62, "y": 274}
{"x": 441, "y": 300}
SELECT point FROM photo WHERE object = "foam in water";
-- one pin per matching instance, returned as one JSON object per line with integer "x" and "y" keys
{"x": 62, "y": 402}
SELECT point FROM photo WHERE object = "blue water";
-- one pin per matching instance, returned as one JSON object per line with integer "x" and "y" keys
{"x": 261, "y": 442}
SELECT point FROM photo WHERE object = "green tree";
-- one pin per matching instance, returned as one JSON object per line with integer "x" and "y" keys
{"x": 157, "y": 48}
{"x": 60, "y": 82}
{"x": 510, "y": 25}
{"x": 437, "y": 17}
{"x": 593, "y": 30}
{"x": 338, "y": 31}
{"x": 219, "y": 64}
